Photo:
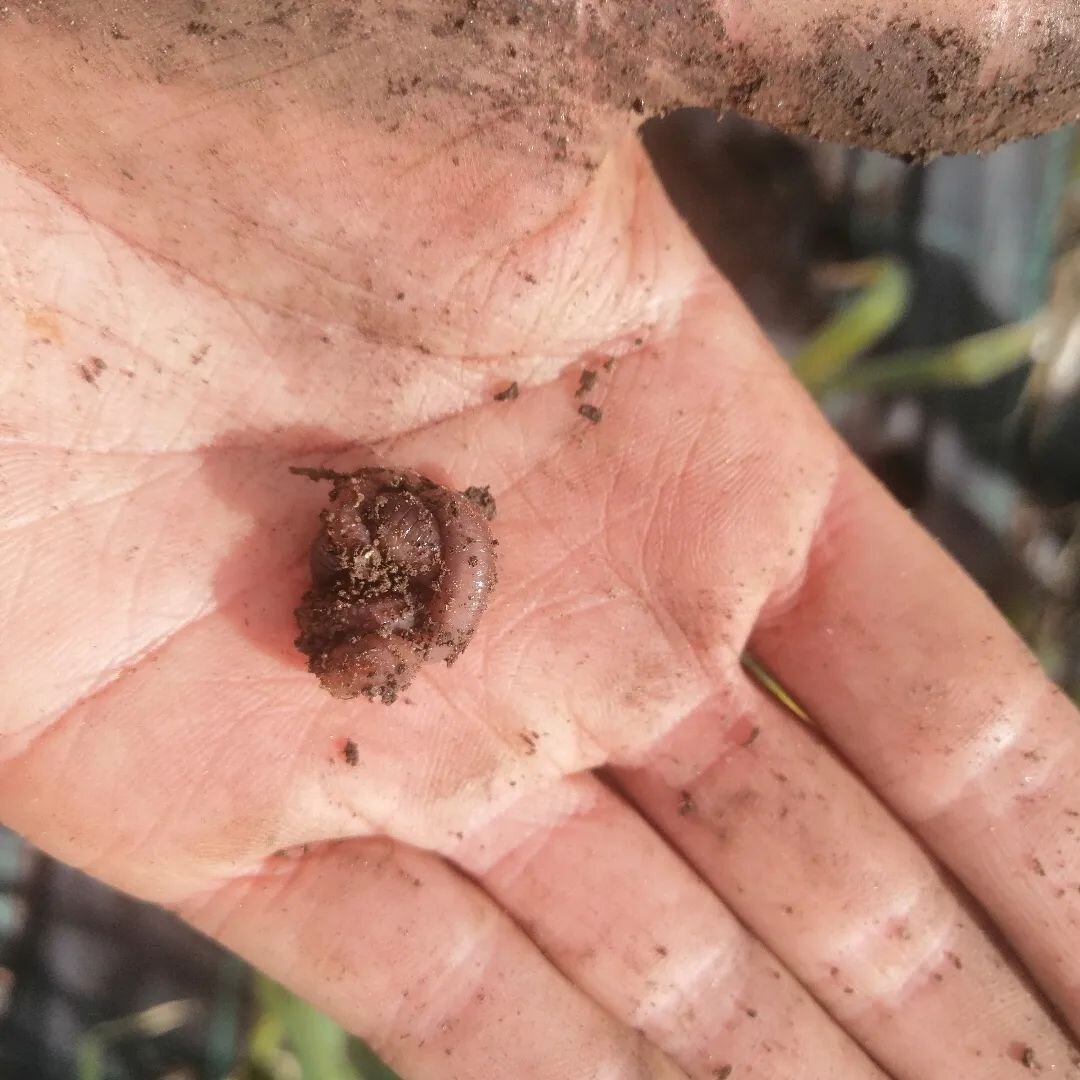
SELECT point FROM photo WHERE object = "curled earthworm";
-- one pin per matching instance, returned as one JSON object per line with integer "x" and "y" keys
{"x": 402, "y": 569}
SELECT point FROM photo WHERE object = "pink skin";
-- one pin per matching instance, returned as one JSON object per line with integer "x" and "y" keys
{"x": 376, "y": 645}
{"x": 384, "y": 616}
{"x": 60, "y": 65}
{"x": 348, "y": 266}
{"x": 404, "y": 528}
{"x": 407, "y": 531}
{"x": 374, "y": 666}
{"x": 469, "y": 576}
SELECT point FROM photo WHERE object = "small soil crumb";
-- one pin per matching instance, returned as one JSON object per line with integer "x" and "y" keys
{"x": 511, "y": 393}
{"x": 686, "y": 803}
{"x": 591, "y": 413}
{"x": 609, "y": 363}
{"x": 752, "y": 737}
{"x": 1027, "y": 1058}
{"x": 586, "y": 381}
{"x": 91, "y": 369}
{"x": 1038, "y": 867}
{"x": 483, "y": 498}
{"x": 722, "y": 1073}
{"x": 352, "y": 753}
{"x": 199, "y": 355}
{"x": 529, "y": 738}
{"x": 661, "y": 950}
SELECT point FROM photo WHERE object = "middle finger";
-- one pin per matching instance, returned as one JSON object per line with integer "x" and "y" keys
{"x": 626, "y": 919}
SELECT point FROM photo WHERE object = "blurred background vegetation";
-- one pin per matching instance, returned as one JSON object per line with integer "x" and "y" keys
{"x": 933, "y": 310}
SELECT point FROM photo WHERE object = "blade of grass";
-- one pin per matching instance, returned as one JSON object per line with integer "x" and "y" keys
{"x": 148, "y": 1024}
{"x": 369, "y": 1064}
{"x": 769, "y": 683}
{"x": 320, "y": 1046}
{"x": 266, "y": 1041}
{"x": 882, "y": 302}
{"x": 972, "y": 361}
{"x": 223, "y": 1028}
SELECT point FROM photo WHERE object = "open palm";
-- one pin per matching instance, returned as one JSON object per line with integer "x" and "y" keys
{"x": 593, "y": 847}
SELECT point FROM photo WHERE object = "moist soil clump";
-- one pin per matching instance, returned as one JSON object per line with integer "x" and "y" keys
{"x": 401, "y": 572}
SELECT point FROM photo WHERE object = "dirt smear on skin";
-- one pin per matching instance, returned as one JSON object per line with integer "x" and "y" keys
{"x": 913, "y": 89}
{"x": 885, "y": 81}
{"x": 890, "y": 83}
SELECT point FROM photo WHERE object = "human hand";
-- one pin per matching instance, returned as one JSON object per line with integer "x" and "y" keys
{"x": 594, "y": 846}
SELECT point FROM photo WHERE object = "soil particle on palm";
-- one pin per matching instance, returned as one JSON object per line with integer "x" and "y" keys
{"x": 586, "y": 381}
{"x": 722, "y": 1073}
{"x": 1028, "y": 1060}
{"x": 511, "y": 393}
{"x": 483, "y": 498}
{"x": 591, "y": 413}
{"x": 351, "y": 753}
{"x": 90, "y": 369}
{"x": 686, "y": 803}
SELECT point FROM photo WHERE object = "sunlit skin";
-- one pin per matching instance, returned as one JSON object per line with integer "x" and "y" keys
{"x": 592, "y": 847}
